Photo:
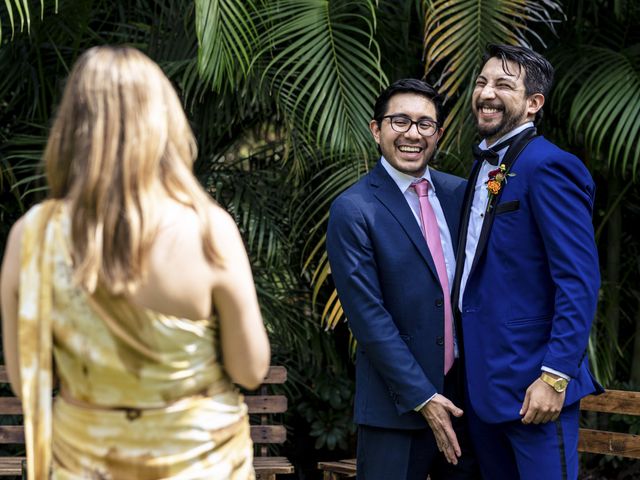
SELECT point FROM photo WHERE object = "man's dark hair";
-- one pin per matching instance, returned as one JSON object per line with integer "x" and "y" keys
{"x": 407, "y": 85}
{"x": 539, "y": 72}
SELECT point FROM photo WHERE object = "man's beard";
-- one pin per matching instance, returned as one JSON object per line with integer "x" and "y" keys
{"x": 510, "y": 120}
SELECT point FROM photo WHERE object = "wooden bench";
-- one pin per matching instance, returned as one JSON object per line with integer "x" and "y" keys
{"x": 590, "y": 440}
{"x": 262, "y": 408}
{"x": 611, "y": 443}
{"x": 11, "y": 432}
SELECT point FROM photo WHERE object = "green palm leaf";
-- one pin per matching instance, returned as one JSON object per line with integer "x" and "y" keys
{"x": 325, "y": 69}
{"x": 456, "y": 33}
{"x": 602, "y": 87}
{"x": 227, "y": 36}
{"x": 23, "y": 13}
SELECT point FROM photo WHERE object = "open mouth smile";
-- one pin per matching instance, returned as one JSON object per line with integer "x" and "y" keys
{"x": 410, "y": 148}
{"x": 490, "y": 109}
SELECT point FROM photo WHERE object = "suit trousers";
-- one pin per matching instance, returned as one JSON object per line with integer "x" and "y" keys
{"x": 513, "y": 450}
{"x": 398, "y": 454}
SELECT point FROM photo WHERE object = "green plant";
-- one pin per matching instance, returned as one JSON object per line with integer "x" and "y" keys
{"x": 328, "y": 410}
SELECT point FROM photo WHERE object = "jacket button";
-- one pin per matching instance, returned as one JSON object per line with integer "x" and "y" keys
{"x": 439, "y": 302}
{"x": 440, "y": 341}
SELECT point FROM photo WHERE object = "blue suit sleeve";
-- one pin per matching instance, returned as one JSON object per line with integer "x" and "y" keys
{"x": 562, "y": 204}
{"x": 354, "y": 271}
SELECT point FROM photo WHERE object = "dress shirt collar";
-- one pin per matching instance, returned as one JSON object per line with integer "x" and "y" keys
{"x": 403, "y": 180}
{"x": 483, "y": 144}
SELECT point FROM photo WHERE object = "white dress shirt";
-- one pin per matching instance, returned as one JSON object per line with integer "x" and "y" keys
{"x": 478, "y": 210}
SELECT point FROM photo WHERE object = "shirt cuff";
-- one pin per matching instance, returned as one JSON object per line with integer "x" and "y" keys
{"x": 419, "y": 407}
{"x": 555, "y": 372}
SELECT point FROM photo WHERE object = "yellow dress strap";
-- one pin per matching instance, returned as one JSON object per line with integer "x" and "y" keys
{"x": 35, "y": 335}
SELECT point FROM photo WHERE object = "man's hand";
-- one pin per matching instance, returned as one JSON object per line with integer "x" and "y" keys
{"x": 436, "y": 412}
{"x": 542, "y": 403}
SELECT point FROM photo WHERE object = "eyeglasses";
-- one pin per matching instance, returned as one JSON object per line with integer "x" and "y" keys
{"x": 402, "y": 124}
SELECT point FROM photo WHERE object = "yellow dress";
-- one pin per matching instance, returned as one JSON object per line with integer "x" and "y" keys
{"x": 162, "y": 406}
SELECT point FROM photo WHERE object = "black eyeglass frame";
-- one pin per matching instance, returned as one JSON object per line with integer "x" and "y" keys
{"x": 436, "y": 125}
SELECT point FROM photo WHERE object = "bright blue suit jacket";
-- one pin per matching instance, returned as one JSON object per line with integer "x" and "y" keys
{"x": 389, "y": 289}
{"x": 531, "y": 294}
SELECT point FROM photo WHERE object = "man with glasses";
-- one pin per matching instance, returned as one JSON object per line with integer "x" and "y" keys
{"x": 392, "y": 256}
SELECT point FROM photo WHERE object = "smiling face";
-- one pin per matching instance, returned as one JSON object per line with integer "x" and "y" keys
{"x": 407, "y": 152}
{"x": 499, "y": 101}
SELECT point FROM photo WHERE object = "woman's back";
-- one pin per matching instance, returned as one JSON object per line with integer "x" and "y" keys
{"x": 144, "y": 386}
{"x": 137, "y": 285}
{"x": 179, "y": 278}
{"x": 115, "y": 351}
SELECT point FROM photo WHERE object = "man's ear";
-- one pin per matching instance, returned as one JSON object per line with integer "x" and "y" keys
{"x": 534, "y": 104}
{"x": 374, "y": 126}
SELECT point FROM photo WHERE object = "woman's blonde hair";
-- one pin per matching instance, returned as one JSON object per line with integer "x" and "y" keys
{"x": 120, "y": 132}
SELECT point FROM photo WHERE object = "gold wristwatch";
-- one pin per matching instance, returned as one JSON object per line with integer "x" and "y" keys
{"x": 559, "y": 384}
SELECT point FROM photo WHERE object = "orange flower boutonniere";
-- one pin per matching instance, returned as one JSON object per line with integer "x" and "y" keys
{"x": 497, "y": 178}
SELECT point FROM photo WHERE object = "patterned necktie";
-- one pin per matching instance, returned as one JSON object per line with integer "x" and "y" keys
{"x": 431, "y": 233}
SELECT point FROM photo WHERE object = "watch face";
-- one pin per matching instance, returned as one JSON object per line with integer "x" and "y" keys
{"x": 560, "y": 385}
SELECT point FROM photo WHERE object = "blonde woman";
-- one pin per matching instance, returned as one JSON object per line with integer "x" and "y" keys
{"x": 135, "y": 288}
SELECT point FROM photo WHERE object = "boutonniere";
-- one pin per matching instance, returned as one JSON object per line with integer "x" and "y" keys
{"x": 497, "y": 178}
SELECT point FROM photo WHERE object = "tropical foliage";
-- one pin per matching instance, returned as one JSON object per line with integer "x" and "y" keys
{"x": 19, "y": 12}
{"x": 597, "y": 99}
{"x": 280, "y": 93}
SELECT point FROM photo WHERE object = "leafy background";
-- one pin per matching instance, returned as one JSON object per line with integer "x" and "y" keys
{"x": 280, "y": 94}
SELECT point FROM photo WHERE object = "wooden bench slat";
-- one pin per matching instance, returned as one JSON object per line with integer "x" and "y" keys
{"x": 3, "y": 374}
{"x": 613, "y": 401}
{"x": 609, "y": 443}
{"x": 276, "y": 374}
{"x": 256, "y": 404}
{"x": 11, "y": 466}
{"x": 10, "y": 406}
{"x": 272, "y": 465}
{"x": 343, "y": 467}
{"x": 266, "y": 403}
{"x": 268, "y": 434}
{"x": 11, "y": 434}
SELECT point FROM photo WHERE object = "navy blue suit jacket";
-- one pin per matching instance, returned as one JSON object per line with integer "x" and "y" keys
{"x": 531, "y": 294}
{"x": 389, "y": 289}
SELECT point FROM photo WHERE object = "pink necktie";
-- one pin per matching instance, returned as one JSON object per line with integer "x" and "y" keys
{"x": 432, "y": 235}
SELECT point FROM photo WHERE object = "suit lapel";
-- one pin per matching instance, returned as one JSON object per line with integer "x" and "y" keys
{"x": 388, "y": 193}
{"x": 509, "y": 160}
{"x": 462, "y": 231}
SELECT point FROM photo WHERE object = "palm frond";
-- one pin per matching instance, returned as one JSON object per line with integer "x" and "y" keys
{"x": 333, "y": 312}
{"x": 23, "y": 14}
{"x": 251, "y": 190}
{"x": 325, "y": 69}
{"x": 227, "y": 36}
{"x": 602, "y": 87}
{"x": 456, "y": 34}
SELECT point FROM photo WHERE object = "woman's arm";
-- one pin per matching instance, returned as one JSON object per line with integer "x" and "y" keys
{"x": 244, "y": 341}
{"x": 9, "y": 283}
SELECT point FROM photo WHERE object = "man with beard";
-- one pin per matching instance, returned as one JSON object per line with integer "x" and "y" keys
{"x": 527, "y": 278}
{"x": 389, "y": 243}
